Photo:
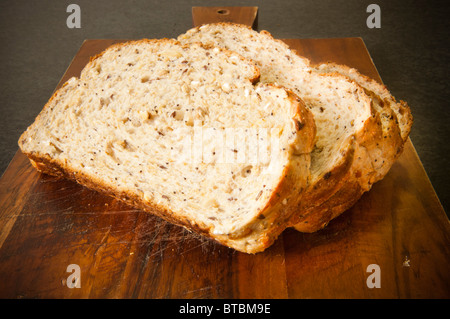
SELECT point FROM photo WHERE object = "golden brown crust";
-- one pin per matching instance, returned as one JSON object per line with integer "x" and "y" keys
{"x": 305, "y": 124}
{"x": 319, "y": 218}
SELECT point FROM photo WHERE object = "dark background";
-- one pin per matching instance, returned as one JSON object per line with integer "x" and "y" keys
{"x": 410, "y": 51}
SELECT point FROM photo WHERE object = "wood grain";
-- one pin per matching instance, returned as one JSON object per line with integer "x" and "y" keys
{"x": 47, "y": 224}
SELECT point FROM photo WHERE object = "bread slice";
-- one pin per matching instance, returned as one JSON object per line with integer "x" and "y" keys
{"x": 349, "y": 126}
{"x": 396, "y": 120}
{"x": 400, "y": 108}
{"x": 396, "y": 115}
{"x": 183, "y": 132}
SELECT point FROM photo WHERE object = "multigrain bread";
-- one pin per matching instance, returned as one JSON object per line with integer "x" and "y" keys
{"x": 152, "y": 123}
{"x": 396, "y": 121}
{"x": 361, "y": 129}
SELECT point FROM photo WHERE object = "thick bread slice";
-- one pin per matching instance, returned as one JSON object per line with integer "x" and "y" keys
{"x": 396, "y": 116}
{"x": 183, "y": 132}
{"x": 346, "y": 119}
{"x": 396, "y": 122}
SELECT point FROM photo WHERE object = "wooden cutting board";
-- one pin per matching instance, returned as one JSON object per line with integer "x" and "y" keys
{"x": 47, "y": 224}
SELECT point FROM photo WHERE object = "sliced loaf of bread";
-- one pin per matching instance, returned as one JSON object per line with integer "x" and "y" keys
{"x": 183, "y": 132}
{"x": 358, "y": 133}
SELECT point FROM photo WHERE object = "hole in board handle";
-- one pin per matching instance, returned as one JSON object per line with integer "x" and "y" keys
{"x": 223, "y": 11}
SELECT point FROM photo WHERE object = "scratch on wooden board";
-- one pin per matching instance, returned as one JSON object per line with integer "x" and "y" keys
{"x": 71, "y": 191}
{"x": 102, "y": 241}
{"x": 203, "y": 244}
{"x": 204, "y": 292}
{"x": 64, "y": 211}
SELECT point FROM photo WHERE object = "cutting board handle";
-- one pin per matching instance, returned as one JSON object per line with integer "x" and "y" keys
{"x": 241, "y": 15}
